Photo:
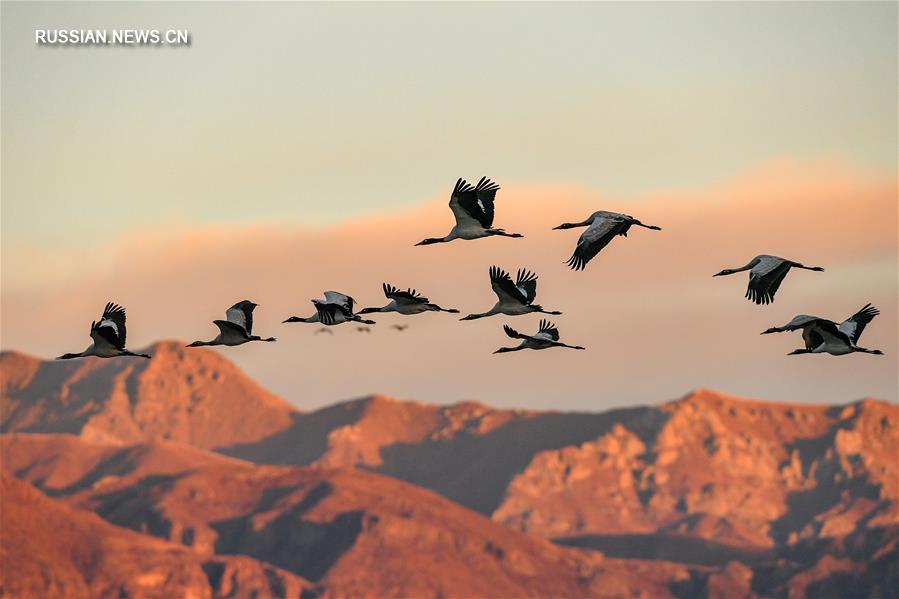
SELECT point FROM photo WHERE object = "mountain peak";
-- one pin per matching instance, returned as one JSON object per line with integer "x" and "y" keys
{"x": 192, "y": 395}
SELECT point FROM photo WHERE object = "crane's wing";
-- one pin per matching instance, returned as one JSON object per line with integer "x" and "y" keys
{"x": 548, "y": 329}
{"x": 513, "y": 333}
{"x": 486, "y": 195}
{"x": 241, "y": 314}
{"x": 327, "y": 312}
{"x": 229, "y": 326}
{"x": 800, "y": 322}
{"x": 855, "y": 324}
{"x": 526, "y": 282}
{"x": 765, "y": 279}
{"x": 345, "y": 302}
{"x": 111, "y": 327}
{"x": 828, "y": 332}
{"x": 812, "y": 338}
{"x": 593, "y": 239}
{"x": 473, "y": 205}
{"x": 410, "y": 296}
{"x": 504, "y": 288}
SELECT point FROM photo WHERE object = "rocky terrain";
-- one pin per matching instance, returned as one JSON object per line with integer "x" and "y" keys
{"x": 323, "y": 526}
{"x": 50, "y": 549}
{"x": 708, "y": 495}
{"x": 191, "y": 396}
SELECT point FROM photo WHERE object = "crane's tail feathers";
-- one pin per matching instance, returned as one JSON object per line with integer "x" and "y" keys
{"x": 653, "y": 227}
{"x": 875, "y": 352}
{"x": 814, "y": 268}
{"x": 503, "y": 233}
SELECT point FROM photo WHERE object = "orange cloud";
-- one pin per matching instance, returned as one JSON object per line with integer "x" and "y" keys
{"x": 655, "y": 321}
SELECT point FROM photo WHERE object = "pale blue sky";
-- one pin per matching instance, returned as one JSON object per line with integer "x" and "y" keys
{"x": 313, "y": 113}
{"x": 310, "y": 114}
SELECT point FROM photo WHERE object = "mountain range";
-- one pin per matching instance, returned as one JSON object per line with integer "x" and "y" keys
{"x": 180, "y": 476}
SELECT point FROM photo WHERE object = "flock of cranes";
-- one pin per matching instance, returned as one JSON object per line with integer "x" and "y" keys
{"x": 473, "y": 209}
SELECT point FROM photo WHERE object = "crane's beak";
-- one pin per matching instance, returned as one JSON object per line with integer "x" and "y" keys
{"x": 771, "y": 330}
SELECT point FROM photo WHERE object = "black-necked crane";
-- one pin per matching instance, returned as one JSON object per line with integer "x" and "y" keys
{"x": 602, "y": 227}
{"x": 766, "y": 273}
{"x": 335, "y": 309}
{"x": 514, "y": 298}
{"x": 547, "y": 336}
{"x": 108, "y": 336}
{"x": 406, "y": 302}
{"x": 473, "y": 208}
{"x": 825, "y": 336}
{"x": 237, "y": 329}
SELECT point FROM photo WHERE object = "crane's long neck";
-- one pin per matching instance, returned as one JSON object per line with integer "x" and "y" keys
{"x": 432, "y": 240}
{"x": 504, "y": 350}
{"x": 494, "y": 310}
{"x": 311, "y": 319}
{"x": 388, "y": 308}
{"x": 71, "y": 356}
{"x": 216, "y": 341}
{"x": 583, "y": 223}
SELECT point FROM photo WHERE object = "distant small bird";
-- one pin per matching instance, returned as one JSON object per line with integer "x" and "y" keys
{"x": 473, "y": 209}
{"x": 602, "y": 227}
{"x": 335, "y": 309}
{"x": 108, "y": 335}
{"x": 399, "y": 327}
{"x": 826, "y": 336}
{"x": 406, "y": 302}
{"x": 237, "y": 329}
{"x": 323, "y": 330}
{"x": 514, "y": 298}
{"x": 766, "y": 273}
{"x": 363, "y": 329}
{"x": 546, "y": 337}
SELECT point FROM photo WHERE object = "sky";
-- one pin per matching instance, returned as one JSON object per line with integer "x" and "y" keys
{"x": 293, "y": 148}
